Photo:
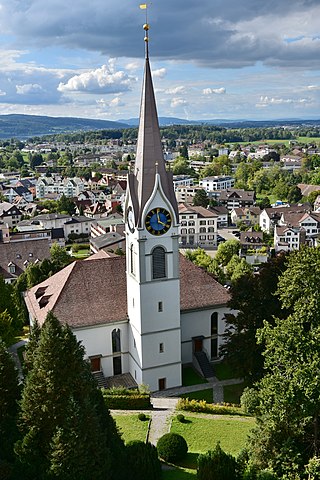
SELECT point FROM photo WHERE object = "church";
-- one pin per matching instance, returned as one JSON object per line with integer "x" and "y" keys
{"x": 143, "y": 316}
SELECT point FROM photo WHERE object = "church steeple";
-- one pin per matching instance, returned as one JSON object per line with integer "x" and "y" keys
{"x": 149, "y": 154}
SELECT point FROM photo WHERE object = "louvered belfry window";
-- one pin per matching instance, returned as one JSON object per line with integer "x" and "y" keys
{"x": 159, "y": 263}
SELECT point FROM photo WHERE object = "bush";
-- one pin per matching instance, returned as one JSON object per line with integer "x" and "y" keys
{"x": 266, "y": 475}
{"x": 123, "y": 399}
{"x": 172, "y": 447}
{"x": 181, "y": 418}
{"x": 203, "y": 407}
{"x": 5, "y": 470}
{"x": 250, "y": 401}
{"x": 216, "y": 465}
{"x": 142, "y": 417}
{"x": 143, "y": 461}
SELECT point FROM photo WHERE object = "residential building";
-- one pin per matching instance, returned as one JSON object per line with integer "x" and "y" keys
{"x": 288, "y": 238}
{"x": 198, "y": 226}
{"x": 10, "y": 214}
{"x": 234, "y": 198}
{"x": 217, "y": 182}
{"x": 246, "y": 215}
{"x": 270, "y": 217}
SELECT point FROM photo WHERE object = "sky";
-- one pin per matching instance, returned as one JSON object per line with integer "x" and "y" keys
{"x": 211, "y": 59}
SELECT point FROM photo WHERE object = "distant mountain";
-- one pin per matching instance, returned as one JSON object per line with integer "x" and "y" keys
{"x": 26, "y": 126}
{"x": 239, "y": 123}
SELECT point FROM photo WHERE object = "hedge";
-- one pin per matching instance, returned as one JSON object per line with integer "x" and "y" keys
{"x": 201, "y": 406}
{"x": 126, "y": 399}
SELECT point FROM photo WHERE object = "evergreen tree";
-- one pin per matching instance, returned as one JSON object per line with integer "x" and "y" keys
{"x": 9, "y": 395}
{"x": 287, "y": 436}
{"x": 67, "y": 432}
{"x": 201, "y": 198}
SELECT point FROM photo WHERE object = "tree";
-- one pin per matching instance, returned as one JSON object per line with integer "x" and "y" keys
{"x": 66, "y": 205}
{"x": 294, "y": 194}
{"x": 9, "y": 396}
{"x": 59, "y": 256}
{"x": 183, "y": 150}
{"x": 35, "y": 160}
{"x": 226, "y": 251}
{"x": 216, "y": 465}
{"x": 67, "y": 432}
{"x": 143, "y": 460}
{"x": 287, "y": 433}
{"x": 201, "y": 198}
{"x": 253, "y": 296}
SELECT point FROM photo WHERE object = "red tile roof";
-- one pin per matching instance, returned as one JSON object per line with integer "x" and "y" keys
{"x": 94, "y": 292}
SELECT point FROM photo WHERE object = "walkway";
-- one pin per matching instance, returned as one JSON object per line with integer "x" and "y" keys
{"x": 13, "y": 349}
{"x": 165, "y": 402}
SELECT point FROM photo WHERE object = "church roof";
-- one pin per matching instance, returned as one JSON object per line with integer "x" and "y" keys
{"x": 149, "y": 154}
{"x": 93, "y": 292}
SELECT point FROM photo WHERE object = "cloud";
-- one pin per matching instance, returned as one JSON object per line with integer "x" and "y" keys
{"x": 116, "y": 102}
{"x": 178, "y": 102}
{"x": 223, "y": 34}
{"x": 159, "y": 73}
{"x": 101, "y": 80}
{"x": 28, "y": 88}
{"x": 210, "y": 91}
{"x": 313, "y": 87}
{"x": 176, "y": 90}
{"x": 266, "y": 101}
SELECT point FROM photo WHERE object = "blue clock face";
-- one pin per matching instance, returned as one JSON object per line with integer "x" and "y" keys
{"x": 158, "y": 221}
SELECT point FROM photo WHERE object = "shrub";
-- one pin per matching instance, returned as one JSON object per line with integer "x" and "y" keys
{"x": 172, "y": 447}
{"x": 123, "y": 399}
{"x": 5, "y": 470}
{"x": 266, "y": 475}
{"x": 250, "y": 401}
{"x": 216, "y": 465}
{"x": 181, "y": 418}
{"x": 143, "y": 461}
{"x": 203, "y": 407}
{"x": 142, "y": 417}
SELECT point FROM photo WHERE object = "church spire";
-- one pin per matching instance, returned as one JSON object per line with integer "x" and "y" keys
{"x": 149, "y": 154}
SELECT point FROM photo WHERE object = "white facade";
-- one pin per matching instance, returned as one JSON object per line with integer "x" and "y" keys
{"x": 153, "y": 303}
{"x": 210, "y": 184}
{"x": 196, "y": 229}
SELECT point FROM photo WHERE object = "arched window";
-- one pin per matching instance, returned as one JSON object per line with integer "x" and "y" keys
{"x": 214, "y": 323}
{"x": 116, "y": 342}
{"x": 159, "y": 263}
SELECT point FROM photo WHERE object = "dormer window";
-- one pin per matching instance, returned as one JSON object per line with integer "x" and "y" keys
{"x": 44, "y": 301}
{"x": 11, "y": 267}
{"x": 18, "y": 256}
{"x": 40, "y": 291}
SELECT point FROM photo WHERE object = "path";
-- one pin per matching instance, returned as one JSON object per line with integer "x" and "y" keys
{"x": 165, "y": 402}
{"x": 14, "y": 351}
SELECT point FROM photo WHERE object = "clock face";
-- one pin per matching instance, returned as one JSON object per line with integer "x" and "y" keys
{"x": 158, "y": 221}
{"x": 130, "y": 219}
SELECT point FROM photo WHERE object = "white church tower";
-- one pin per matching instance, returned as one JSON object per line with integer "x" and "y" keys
{"x": 152, "y": 256}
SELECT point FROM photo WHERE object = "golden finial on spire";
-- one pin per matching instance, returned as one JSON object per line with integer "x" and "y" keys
{"x": 144, "y": 6}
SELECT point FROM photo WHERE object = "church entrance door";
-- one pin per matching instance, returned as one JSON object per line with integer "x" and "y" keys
{"x": 197, "y": 344}
{"x": 95, "y": 364}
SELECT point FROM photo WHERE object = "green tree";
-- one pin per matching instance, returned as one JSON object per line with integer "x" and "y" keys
{"x": 287, "y": 433}
{"x": 294, "y": 194}
{"x": 66, "y": 205}
{"x": 253, "y": 296}
{"x": 66, "y": 430}
{"x": 9, "y": 396}
{"x": 226, "y": 251}
{"x": 216, "y": 465}
{"x": 183, "y": 150}
{"x": 201, "y": 198}
{"x": 59, "y": 256}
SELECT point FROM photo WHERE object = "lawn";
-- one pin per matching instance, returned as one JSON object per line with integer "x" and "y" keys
{"x": 206, "y": 395}
{"x": 203, "y": 433}
{"x": 131, "y": 427}
{"x": 179, "y": 474}
{"x": 191, "y": 377}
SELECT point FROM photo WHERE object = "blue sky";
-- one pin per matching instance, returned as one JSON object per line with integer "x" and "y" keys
{"x": 211, "y": 59}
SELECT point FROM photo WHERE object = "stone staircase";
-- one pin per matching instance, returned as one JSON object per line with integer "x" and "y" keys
{"x": 203, "y": 362}
{"x": 100, "y": 379}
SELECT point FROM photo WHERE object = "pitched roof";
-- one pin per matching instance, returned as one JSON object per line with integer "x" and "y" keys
{"x": 93, "y": 292}
{"x": 19, "y": 252}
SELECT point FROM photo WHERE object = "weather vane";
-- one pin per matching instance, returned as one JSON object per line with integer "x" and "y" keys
{"x": 144, "y": 6}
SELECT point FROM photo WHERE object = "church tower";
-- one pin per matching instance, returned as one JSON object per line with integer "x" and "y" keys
{"x": 152, "y": 256}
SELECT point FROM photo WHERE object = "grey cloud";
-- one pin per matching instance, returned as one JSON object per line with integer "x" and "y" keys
{"x": 223, "y": 33}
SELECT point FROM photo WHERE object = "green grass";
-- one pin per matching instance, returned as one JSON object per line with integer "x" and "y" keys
{"x": 232, "y": 393}
{"x": 206, "y": 395}
{"x": 191, "y": 377}
{"x": 131, "y": 427}
{"x": 179, "y": 474}
{"x": 223, "y": 371}
{"x": 308, "y": 139}
{"x": 202, "y": 434}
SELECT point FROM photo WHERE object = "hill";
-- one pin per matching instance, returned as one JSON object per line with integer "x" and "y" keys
{"x": 26, "y": 126}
